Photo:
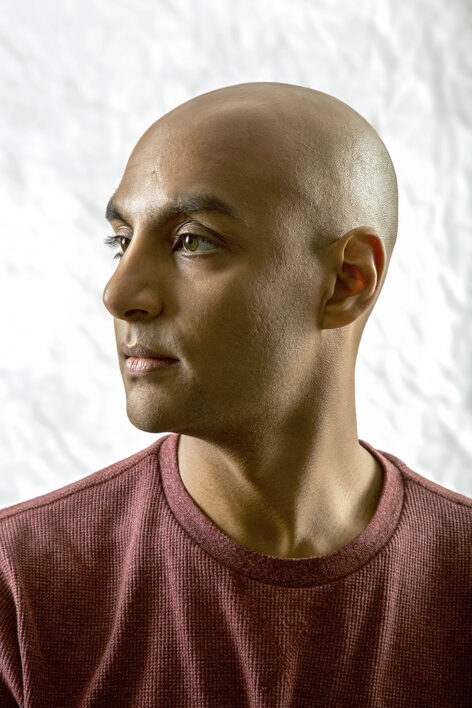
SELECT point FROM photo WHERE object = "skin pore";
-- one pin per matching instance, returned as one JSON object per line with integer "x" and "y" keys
{"x": 263, "y": 310}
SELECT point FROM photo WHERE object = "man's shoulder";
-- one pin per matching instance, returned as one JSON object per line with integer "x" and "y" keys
{"x": 64, "y": 499}
{"x": 449, "y": 498}
{"x": 438, "y": 520}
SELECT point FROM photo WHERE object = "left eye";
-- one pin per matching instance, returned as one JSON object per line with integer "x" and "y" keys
{"x": 195, "y": 237}
{"x": 113, "y": 242}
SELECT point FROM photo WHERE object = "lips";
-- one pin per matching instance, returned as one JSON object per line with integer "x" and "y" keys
{"x": 142, "y": 351}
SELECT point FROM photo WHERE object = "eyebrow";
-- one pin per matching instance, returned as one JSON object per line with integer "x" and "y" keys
{"x": 201, "y": 202}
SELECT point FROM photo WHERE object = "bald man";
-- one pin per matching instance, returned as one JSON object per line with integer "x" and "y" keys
{"x": 260, "y": 554}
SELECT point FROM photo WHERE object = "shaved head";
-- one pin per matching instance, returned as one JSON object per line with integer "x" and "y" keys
{"x": 331, "y": 166}
{"x": 310, "y": 196}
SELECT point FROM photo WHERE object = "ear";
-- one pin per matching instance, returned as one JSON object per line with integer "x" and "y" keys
{"x": 357, "y": 262}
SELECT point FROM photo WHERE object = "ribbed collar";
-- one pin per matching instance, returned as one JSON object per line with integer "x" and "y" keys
{"x": 289, "y": 572}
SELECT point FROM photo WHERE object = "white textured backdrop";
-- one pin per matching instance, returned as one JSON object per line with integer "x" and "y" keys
{"x": 82, "y": 80}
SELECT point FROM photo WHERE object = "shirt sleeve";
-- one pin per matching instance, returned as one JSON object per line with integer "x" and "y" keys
{"x": 11, "y": 684}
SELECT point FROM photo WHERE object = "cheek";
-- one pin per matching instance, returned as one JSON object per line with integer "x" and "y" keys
{"x": 226, "y": 330}
{"x": 236, "y": 315}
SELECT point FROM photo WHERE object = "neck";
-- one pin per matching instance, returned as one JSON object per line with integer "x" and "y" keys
{"x": 297, "y": 487}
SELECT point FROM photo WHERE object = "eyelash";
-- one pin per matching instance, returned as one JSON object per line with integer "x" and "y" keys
{"x": 112, "y": 241}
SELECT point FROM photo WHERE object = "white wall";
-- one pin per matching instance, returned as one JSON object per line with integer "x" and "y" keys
{"x": 82, "y": 80}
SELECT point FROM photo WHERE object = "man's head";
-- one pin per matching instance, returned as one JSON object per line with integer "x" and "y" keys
{"x": 265, "y": 309}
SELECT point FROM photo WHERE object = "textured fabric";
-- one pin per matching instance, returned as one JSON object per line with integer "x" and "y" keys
{"x": 117, "y": 590}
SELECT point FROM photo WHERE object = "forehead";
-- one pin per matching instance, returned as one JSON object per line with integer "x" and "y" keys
{"x": 242, "y": 158}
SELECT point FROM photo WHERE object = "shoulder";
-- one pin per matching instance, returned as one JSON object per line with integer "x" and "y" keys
{"x": 67, "y": 505}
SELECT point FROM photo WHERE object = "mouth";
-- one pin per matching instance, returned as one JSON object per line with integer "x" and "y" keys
{"x": 145, "y": 365}
{"x": 141, "y": 351}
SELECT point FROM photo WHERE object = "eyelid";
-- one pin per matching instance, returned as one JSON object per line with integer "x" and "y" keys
{"x": 181, "y": 230}
{"x": 124, "y": 230}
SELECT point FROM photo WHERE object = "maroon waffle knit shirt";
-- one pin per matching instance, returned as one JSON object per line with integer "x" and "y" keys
{"x": 117, "y": 590}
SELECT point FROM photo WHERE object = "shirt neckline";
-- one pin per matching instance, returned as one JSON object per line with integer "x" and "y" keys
{"x": 288, "y": 572}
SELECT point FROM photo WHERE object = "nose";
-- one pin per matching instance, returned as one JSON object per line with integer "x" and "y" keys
{"x": 135, "y": 288}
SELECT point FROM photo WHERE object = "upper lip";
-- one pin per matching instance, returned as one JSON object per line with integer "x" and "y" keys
{"x": 140, "y": 350}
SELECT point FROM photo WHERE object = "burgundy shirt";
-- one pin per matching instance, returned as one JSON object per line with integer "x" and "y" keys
{"x": 117, "y": 590}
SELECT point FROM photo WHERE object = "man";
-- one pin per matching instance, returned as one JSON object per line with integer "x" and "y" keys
{"x": 260, "y": 554}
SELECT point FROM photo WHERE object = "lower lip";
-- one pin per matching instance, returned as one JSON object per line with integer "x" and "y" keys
{"x": 138, "y": 365}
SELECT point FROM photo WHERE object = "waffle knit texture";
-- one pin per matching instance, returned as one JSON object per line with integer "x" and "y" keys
{"x": 117, "y": 590}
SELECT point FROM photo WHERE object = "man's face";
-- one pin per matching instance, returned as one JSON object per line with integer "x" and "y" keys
{"x": 237, "y": 305}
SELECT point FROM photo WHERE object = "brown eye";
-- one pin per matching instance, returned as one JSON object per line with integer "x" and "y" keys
{"x": 191, "y": 243}
{"x": 189, "y": 240}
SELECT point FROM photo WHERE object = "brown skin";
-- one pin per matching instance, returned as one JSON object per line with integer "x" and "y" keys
{"x": 265, "y": 328}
